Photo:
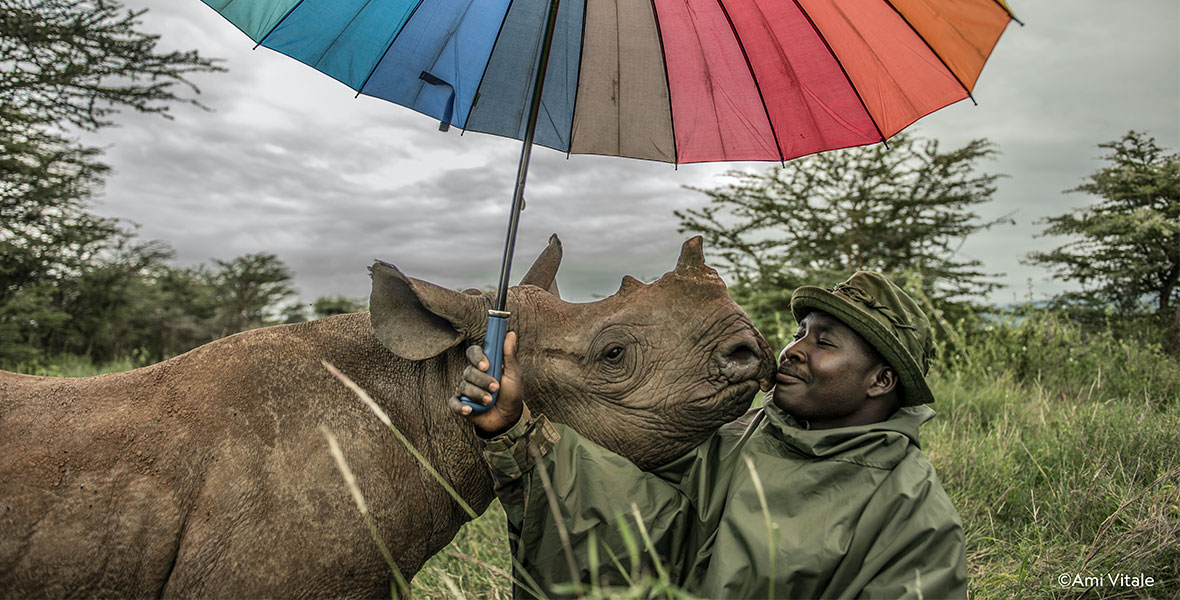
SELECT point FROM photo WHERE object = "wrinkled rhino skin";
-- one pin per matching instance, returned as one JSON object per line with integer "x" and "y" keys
{"x": 207, "y": 476}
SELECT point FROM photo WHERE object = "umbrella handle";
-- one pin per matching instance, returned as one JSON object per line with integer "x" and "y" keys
{"x": 493, "y": 348}
{"x": 493, "y": 344}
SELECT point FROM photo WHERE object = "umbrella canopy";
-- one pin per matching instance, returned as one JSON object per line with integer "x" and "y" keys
{"x": 679, "y": 81}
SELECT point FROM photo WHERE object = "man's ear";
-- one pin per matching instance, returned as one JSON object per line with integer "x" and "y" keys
{"x": 883, "y": 380}
{"x": 417, "y": 320}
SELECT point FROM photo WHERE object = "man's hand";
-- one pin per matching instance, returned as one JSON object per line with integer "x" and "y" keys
{"x": 478, "y": 386}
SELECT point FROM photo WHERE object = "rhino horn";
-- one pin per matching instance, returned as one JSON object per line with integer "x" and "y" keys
{"x": 417, "y": 320}
{"x": 629, "y": 284}
{"x": 543, "y": 273}
{"x": 692, "y": 256}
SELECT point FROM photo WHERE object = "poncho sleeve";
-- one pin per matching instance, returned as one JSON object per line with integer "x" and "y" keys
{"x": 544, "y": 469}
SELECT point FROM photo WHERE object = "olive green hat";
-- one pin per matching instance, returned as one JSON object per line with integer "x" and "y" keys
{"x": 887, "y": 318}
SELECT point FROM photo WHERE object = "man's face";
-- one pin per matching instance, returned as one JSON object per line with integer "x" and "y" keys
{"x": 824, "y": 375}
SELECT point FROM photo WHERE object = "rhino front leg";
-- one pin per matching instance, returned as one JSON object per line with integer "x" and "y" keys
{"x": 283, "y": 524}
{"x": 90, "y": 534}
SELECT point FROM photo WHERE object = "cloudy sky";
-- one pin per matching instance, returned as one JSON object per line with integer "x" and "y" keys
{"x": 289, "y": 162}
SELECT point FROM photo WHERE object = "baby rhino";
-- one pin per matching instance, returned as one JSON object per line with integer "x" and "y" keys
{"x": 206, "y": 475}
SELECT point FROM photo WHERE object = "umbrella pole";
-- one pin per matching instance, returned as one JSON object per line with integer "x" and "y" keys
{"x": 523, "y": 169}
{"x": 493, "y": 345}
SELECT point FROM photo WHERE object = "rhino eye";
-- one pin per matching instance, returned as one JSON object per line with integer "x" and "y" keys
{"x": 613, "y": 354}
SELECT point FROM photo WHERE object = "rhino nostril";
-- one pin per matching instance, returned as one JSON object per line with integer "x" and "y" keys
{"x": 739, "y": 359}
{"x": 742, "y": 355}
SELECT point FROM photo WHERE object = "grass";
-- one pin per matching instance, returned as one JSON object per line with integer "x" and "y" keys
{"x": 68, "y": 365}
{"x": 1049, "y": 485}
{"x": 476, "y": 562}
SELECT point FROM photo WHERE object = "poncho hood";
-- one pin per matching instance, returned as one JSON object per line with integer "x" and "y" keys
{"x": 880, "y": 445}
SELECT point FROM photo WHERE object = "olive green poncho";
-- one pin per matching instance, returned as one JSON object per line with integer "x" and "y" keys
{"x": 856, "y": 511}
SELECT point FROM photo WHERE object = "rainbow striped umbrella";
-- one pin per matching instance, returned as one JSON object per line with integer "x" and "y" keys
{"x": 680, "y": 81}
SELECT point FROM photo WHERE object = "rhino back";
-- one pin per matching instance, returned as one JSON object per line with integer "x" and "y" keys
{"x": 207, "y": 475}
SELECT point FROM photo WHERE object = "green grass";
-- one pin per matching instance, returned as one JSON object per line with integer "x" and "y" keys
{"x": 476, "y": 563}
{"x": 1048, "y": 485}
{"x": 68, "y": 365}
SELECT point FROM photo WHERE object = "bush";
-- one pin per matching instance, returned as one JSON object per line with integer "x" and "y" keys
{"x": 1117, "y": 360}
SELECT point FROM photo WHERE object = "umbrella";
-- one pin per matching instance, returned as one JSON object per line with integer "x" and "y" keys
{"x": 679, "y": 81}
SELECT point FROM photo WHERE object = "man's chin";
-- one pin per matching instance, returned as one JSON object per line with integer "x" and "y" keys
{"x": 782, "y": 397}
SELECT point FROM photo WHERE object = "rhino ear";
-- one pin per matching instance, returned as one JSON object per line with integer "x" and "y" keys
{"x": 417, "y": 320}
{"x": 543, "y": 273}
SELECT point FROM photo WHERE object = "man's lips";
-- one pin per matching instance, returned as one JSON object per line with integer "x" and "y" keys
{"x": 788, "y": 377}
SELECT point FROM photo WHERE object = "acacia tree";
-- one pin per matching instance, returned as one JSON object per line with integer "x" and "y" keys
{"x": 68, "y": 65}
{"x": 1126, "y": 248}
{"x": 902, "y": 208}
{"x": 250, "y": 289}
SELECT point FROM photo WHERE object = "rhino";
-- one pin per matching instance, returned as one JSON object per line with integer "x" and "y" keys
{"x": 206, "y": 475}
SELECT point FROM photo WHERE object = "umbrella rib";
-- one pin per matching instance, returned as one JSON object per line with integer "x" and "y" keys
{"x": 932, "y": 51}
{"x": 387, "y": 48}
{"x": 619, "y": 70}
{"x": 484, "y": 74}
{"x": 823, "y": 39}
{"x": 339, "y": 35}
{"x": 754, "y": 78}
{"x": 438, "y": 54}
{"x": 577, "y": 84}
{"x": 1009, "y": 11}
{"x": 655, "y": 14}
{"x": 277, "y": 23}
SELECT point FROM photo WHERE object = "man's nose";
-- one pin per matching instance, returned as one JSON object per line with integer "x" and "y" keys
{"x": 793, "y": 352}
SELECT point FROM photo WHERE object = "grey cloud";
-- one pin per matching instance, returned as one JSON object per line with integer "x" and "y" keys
{"x": 289, "y": 162}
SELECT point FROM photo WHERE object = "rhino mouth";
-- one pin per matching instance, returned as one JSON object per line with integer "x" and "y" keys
{"x": 732, "y": 401}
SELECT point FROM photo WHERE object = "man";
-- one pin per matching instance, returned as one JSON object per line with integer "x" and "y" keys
{"x": 821, "y": 493}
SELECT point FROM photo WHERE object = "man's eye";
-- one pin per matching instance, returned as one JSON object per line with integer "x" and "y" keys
{"x": 798, "y": 336}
